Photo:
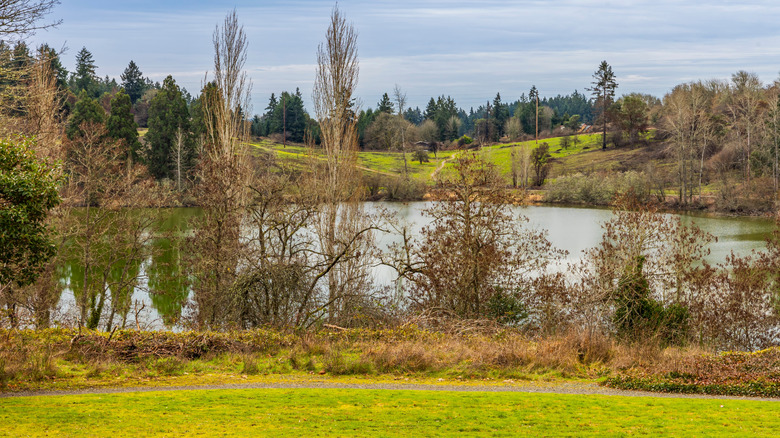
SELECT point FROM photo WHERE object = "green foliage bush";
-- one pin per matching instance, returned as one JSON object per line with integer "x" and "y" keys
{"x": 506, "y": 309}
{"x": 465, "y": 140}
{"x": 28, "y": 191}
{"x": 637, "y": 316}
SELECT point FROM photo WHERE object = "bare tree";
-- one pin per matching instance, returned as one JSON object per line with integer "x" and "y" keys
{"x": 772, "y": 122}
{"x": 400, "y": 100}
{"x": 225, "y": 109}
{"x": 690, "y": 119}
{"x": 43, "y": 101}
{"x": 745, "y": 104}
{"x": 514, "y": 165}
{"x": 223, "y": 174}
{"x": 342, "y": 225}
{"x": 106, "y": 240}
{"x": 178, "y": 156}
{"x": 474, "y": 259}
{"x": 20, "y": 17}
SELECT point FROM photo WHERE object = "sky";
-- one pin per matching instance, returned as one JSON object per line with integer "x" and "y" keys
{"x": 469, "y": 50}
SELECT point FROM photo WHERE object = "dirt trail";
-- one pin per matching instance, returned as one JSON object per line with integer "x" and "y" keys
{"x": 577, "y": 388}
{"x": 440, "y": 167}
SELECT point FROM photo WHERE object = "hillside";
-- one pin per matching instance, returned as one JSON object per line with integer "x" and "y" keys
{"x": 583, "y": 155}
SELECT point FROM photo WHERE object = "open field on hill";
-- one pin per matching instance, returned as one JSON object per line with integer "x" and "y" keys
{"x": 377, "y": 162}
{"x": 583, "y": 156}
{"x": 361, "y": 412}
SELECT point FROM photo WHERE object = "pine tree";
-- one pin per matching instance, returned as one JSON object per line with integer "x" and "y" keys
{"x": 414, "y": 115}
{"x": 500, "y": 115}
{"x": 168, "y": 116}
{"x": 121, "y": 124}
{"x": 430, "y": 110}
{"x": 133, "y": 82}
{"x": 384, "y": 105}
{"x": 603, "y": 90}
{"x": 85, "y": 78}
{"x": 87, "y": 109}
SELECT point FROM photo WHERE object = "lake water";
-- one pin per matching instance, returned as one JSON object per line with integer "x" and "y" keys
{"x": 573, "y": 229}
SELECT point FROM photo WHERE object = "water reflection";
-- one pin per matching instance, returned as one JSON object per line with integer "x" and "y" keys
{"x": 164, "y": 286}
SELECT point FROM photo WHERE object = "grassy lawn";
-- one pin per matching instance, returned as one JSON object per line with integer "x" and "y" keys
{"x": 342, "y": 412}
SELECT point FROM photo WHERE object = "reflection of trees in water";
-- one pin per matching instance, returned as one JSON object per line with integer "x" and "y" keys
{"x": 103, "y": 268}
{"x": 168, "y": 285}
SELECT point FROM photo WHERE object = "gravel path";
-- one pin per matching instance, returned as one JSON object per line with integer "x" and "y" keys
{"x": 527, "y": 387}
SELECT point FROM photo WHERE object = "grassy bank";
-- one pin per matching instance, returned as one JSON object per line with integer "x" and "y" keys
{"x": 60, "y": 359}
{"x": 349, "y": 412}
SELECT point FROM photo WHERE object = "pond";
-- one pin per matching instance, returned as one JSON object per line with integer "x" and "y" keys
{"x": 573, "y": 229}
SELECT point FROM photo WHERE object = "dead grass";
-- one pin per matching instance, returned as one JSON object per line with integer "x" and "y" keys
{"x": 34, "y": 360}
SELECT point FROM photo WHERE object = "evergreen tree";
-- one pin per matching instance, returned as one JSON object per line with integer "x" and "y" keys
{"x": 500, "y": 115}
{"x": 256, "y": 128}
{"x": 87, "y": 109}
{"x": 293, "y": 115}
{"x": 133, "y": 82}
{"x": 446, "y": 114}
{"x": 198, "y": 118}
{"x": 414, "y": 115}
{"x": 603, "y": 90}
{"x": 365, "y": 119}
{"x": 267, "y": 121}
{"x": 430, "y": 109}
{"x": 84, "y": 77}
{"x": 21, "y": 55}
{"x": 385, "y": 105}
{"x": 168, "y": 117}
{"x": 287, "y": 114}
{"x": 272, "y": 102}
{"x": 121, "y": 124}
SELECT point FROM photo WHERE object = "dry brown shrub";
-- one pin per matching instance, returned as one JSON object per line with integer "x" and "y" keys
{"x": 637, "y": 354}
{"x": 404, "y": 357}
{"x": 591, "y": 347}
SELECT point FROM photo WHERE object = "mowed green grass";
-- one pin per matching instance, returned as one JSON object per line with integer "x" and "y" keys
{"x": 352, "y": 412}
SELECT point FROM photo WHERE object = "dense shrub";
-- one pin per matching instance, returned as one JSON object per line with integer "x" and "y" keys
{"x": 638, "y": 316}
{"x": 400, "y": 189}
{"x": 597, "y": 189}
{"x": 465, "y": 140}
